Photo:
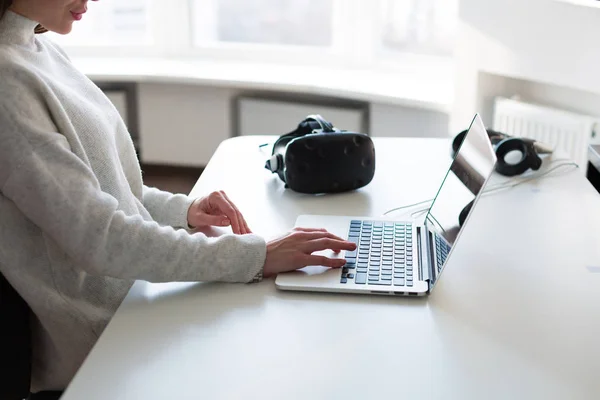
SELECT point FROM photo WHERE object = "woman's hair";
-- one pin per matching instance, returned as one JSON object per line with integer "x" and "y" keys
{"x": 4, "y": 4}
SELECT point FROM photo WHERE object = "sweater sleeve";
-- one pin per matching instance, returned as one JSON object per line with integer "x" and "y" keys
{"x": 59, "y": 193}
{"x": 167, "y": 208}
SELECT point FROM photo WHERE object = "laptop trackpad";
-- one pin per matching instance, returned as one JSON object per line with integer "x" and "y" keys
{"x": 309, "y": 277}
{"x": 314, "y": 270}
{"x": 318, "y": 270}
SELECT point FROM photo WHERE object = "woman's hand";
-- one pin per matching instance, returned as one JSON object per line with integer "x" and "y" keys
{"x": 294, "y": 251}
{"x": 217, "y": 209}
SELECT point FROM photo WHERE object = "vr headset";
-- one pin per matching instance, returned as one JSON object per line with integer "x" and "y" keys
{"x": 319, "y": 158}
{"x": 504, "y": 144}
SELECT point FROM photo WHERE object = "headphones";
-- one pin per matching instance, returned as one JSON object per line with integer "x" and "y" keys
{"x": 319, "y": 158}
{"x": 503, "y": 144}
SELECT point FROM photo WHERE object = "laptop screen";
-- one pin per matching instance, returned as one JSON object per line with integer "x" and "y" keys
{"x": 472, "y": 166}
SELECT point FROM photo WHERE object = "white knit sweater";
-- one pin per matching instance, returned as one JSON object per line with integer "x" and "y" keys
{"x": 77, "y": 225}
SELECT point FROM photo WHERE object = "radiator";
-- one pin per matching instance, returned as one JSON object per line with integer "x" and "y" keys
{"x": 258, "y": 116}
{"x": 568, "y": 133}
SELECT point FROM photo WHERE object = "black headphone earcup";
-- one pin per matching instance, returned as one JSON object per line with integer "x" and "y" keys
{"x": 535, "y": 162}
{"x": 464, "y": 213}
{"x": 528, "y": 159}
{"x": 457, "y": 142}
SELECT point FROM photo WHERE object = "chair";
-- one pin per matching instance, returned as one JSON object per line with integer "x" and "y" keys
{"x": 15, "y": 344}
{"x": 15, "y": 347}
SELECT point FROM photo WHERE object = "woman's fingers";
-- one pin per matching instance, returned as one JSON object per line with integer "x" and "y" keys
{"x": 300, "y": 229}
{"x": 328, "y": 244}
{"x": 247, "y": 227}
{"x": 220, "y": 203}
{"x": 231, "y": 215}
{"x": 303, "y": 236}
{"x": 295, "y": 250}
{"x": 318, "y": 241}
{"x": 324, "y": 261}
{"x": 241, "y": 222}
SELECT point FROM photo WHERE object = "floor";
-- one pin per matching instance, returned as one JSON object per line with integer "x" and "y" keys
{"x": 171, "y": 179}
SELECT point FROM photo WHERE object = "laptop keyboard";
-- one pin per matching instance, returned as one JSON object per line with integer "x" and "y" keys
{"x": 384, "y": 254}
{"x": 441, "y": 249}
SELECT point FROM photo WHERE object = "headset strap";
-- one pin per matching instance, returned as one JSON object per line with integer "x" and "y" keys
{"x": 311, "y": 124}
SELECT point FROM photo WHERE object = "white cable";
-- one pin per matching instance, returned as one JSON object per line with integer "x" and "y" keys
{"x": 261, "y": 148}
{"x": 493, "y": 189}
{"x": 407, "y": 206}
{"x": 533, "y": 178}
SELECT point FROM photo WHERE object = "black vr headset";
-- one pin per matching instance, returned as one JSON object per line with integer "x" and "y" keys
{"x": 504, "y": 144}
{"x": 319, "y": 158}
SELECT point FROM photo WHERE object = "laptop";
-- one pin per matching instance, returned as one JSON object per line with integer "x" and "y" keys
{"x": 403, "y": 257}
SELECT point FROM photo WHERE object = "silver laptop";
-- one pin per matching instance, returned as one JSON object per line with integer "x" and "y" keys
{"x": 403, "y": 257}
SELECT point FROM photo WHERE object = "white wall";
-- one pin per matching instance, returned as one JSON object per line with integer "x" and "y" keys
{"x": 561, "y": 97}
{"x": 257, "y": 116}
{"x": 547, "y": 42}
{"x": 184, "y": 124}
{"x": 393, "y": 121}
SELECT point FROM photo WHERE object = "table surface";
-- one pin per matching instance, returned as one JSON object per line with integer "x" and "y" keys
{"x": 515, "y": 314}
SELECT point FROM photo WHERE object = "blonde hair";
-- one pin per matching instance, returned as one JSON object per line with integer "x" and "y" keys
{"x": 4, "y": 6}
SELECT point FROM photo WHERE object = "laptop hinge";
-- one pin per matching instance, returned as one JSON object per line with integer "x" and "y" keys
{"x": 424, "y": 269}
{"x": 427, "y": 264}
{"x": 431, "y": 257}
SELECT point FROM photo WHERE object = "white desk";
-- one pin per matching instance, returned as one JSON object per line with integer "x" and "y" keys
{"x": 516, "y": 314}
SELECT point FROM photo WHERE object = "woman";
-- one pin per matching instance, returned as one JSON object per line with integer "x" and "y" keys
{"x": 78, "y": 225}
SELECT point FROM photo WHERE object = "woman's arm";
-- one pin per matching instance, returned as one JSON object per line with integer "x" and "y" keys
{"x": 167, "y": 208}
{"x": 61, "y": 195}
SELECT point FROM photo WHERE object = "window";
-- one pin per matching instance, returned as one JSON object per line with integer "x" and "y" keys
{"x": 419, "y": 26}
{"x": 351, "y": 33}
{"x": 112, "y": 23}
{"x": 275, "y": 22}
